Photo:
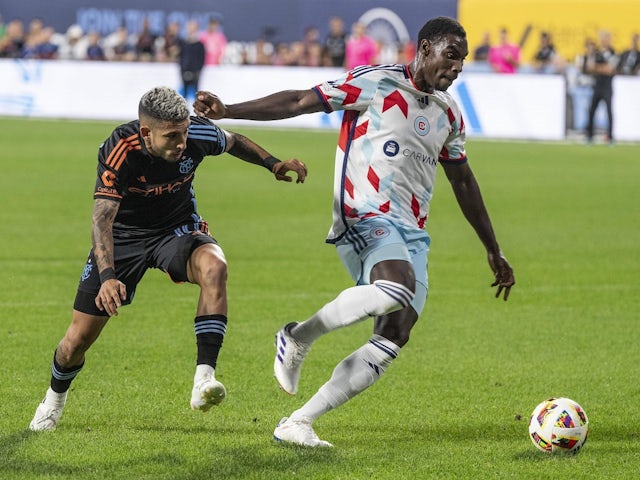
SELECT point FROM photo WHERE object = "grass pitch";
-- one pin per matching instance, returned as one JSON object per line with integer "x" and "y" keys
{"x": 454, "y": 405}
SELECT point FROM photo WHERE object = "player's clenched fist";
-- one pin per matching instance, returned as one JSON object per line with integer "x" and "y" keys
{"x": 209, "y": 105}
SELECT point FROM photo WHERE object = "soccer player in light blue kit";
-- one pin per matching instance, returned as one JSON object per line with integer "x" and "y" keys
{"x": 398, "y": 124}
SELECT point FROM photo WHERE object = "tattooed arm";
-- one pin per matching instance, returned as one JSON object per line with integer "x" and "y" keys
{"x": 112, "y": 291}
{"x": 245, "y": 149}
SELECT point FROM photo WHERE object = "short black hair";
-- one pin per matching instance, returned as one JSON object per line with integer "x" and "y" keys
{"x": 438, "y": 27}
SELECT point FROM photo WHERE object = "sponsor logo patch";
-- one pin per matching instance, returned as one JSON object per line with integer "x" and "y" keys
{"x": 391, "y": 148}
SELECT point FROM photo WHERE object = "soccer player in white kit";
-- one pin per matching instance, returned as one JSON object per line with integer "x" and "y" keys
{"x": 398, "y": 125}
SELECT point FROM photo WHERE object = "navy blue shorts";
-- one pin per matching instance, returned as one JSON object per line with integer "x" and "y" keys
{"x": 168, "y": 252}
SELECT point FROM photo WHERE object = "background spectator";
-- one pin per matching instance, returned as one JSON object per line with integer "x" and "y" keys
{"x": 73, "y": 45}
{"x": 146, "y": 43}
{"x": 264, "y": 52}
{"x": 39, "y": 44}
{"x": 119, "y": 46}
{"x": 192, "y": 60}
{"x": 584, "y": 78}
{"x": 95, "y": 52}
{"x": 601, "y": 64}
{"x": 281, "y": 55}
{"x": 168, "y": 45}
{"x": 46, "y": 48}
{"x": 316, "y": 56}
{"x": 33, "y": 38}
{"x": 215, "y": 42}
{"x": 407, "y": 52}
{"x": 259, "y": 53}
{"x": 312, "y": 54}
{"x": 12, "y": 43}
{"x": 481, "y": 52}
{"x": 629, "y": 63}
{"x": 546, "y": 59}
{"x": 504, "y": 57}
{"x": 387, "y": 51}
{"x": 360, "y": 48}
{"x": 335, "y": 42}
{"x": 296, "y": 55}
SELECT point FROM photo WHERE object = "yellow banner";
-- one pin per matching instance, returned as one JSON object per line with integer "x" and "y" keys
{"x": 570, "y": 23}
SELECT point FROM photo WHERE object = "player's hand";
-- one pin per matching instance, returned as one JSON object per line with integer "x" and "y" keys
{"x": 280, "y": 170}
{"x": 112, "y": 293}
{"x": 209, "y": 105}
{"x": 503, "y": 273}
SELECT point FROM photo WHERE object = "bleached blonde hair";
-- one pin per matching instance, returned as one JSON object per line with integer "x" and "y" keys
{"x": 163, "y": 103}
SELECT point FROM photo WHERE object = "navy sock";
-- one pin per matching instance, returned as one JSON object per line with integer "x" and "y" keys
{"x": 61, "y": 377}
{"x": 210, "y": 331}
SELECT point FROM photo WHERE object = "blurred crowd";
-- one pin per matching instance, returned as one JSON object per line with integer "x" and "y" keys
{"x": 339, "y": 48}
{"x": 504, "y": 56}
{"x": 589, "y": 76}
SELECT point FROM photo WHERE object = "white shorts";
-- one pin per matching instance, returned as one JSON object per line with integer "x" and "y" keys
{"x": 375, "y": 239}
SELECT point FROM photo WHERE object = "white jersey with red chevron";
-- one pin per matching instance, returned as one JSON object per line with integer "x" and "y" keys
{"x": 391, "y": 140}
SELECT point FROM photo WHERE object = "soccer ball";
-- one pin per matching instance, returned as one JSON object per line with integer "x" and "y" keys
{"x": 559, "y": 425}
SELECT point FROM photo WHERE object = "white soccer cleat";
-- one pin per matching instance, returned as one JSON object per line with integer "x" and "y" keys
{"x": 46, "y": 418}
{"x": 207, "y": 393}
{"x": 290, "y": 354}
{"x": 298, "y": 432}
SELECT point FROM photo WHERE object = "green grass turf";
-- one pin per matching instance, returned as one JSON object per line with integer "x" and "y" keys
{"x": 454, "y": 405}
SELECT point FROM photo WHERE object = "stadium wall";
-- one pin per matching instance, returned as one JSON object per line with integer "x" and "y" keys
{"x": 494, "y": 106}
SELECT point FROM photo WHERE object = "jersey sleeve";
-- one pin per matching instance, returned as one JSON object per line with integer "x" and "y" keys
{"x": 207, "y": 137}
{"x": 112, "y": 167}
{"x": 453, "y": 150}
{"x": 352, "y": 91}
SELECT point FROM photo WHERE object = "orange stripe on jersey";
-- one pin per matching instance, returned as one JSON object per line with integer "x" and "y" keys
{"x": 116, "y": 151}
{"x": 123, "y": 147}
{"x": 132, "y": 146}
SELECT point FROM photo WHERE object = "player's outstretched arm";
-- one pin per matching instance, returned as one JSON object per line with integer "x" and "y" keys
{"x": 285, "y": 104}
{"x": 245, "y": 149}
{"x": 467, "y": 193}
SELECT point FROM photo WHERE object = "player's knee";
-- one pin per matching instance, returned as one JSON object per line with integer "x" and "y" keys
{"x": 210, "y": 269}
{"x": 401, "y": 337}
{"x": 395, "y": 296}
{"x": 396, "y": 327}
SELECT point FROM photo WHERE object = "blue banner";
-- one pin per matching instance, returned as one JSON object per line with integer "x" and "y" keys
{"x": 242, "y": 20}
